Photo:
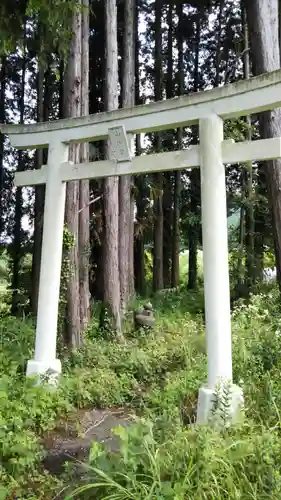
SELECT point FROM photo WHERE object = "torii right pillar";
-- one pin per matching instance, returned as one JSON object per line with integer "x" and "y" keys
{"x": 216, "y": 273}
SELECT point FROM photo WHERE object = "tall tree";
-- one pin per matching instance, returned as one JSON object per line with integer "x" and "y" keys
{"x": 96, "y": 104}
{"x": 38, "y": 203}
{"x": 263, "y": 23}
{"x": 126, "y": 206}
{"x": 177, "y": 175}
{"x": 167, "y": 176}
{"x": 3, "y": 82}
{"x": 158, "y": 178}
{"x": 140, "y": 181}
{"x": 219, "y": 43}
{"x": 84, "y": 223}
{"x": 112, "y": 300}
{"x": 44, "y": 104}
{"x": 72, "y": 108}
{"x": 17, "y": 240}
{"x": 193, "y": 234}
{"x": 249, "y": 213}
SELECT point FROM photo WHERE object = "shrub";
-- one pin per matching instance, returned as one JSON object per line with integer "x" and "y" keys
{"x": 26, "y": 412}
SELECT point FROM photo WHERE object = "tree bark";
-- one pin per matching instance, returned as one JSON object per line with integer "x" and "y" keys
{"x": 158, "y": 178}
{"x": 167, "y": 176}
{"x": 279, "y": 26}
{"x": 84, "y": 195}
{"x": 167, "y": 203}
{"x": 72, "y": 108}
{"x": 175, "y": 275}
{"x": 139, "y": 265}
{"x": 96, "y": 104}
{"x": 16, "y": 246}
{"x": 126, "y": 204}
{"x": 3, "y": 83}
{"x": 112, "y": 300}
{"x": 249, "y": 213}
{"x": 39, "y": 194}
{"x": 260, "y": 220}
{"x": 177, "y": 174}
{"x": 139, "y": 240}
{"x": 263, "y": 24}
{"x": 218, "y": 48}
{"x": 194, "y": 228}
{"x": 158, "y": 228}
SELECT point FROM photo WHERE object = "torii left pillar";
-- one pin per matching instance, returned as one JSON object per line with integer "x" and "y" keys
{"x": 216, "y": 273}
{"x": 45, "y": 360}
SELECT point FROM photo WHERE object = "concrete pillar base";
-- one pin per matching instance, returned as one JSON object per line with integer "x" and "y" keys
{"x": 206, "y": 404}
{"x": 44, "y": 370}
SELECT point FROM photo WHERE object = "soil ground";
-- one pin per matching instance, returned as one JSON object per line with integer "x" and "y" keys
{"x": 71, "y": 441}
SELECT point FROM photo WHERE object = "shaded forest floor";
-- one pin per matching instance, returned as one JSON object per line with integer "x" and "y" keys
{"x": 152, "y": 381}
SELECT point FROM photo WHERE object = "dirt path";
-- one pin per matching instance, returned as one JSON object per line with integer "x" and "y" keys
{"x": 72, "y": 440}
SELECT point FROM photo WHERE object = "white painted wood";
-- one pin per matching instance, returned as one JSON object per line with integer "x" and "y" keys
{"x": 145, "y": 164}
{"x": 241, "y": 152}
{"x": 158, "y": 162}
{"x": 32, "y": 177}
{"x": 238, "y": 99}
{"x": 215, "y": 255}
{"x": 49, "y": 286}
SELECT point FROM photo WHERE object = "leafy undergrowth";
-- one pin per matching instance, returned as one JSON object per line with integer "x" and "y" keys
{"x": 240, "y": 463}
{"x": 158, "y": 375}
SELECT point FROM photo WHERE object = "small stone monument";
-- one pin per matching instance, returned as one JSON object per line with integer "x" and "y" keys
{"x": 144, "y": 316}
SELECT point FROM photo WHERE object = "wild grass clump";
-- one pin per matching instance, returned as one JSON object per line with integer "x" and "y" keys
{"x": 26, "y": 412}
{"x": 199, "y": 463}
{"x": 164, "y": 456}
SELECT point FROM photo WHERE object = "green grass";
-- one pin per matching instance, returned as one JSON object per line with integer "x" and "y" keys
{"x": 162, "y": 457}
{"x": 157, "y": 375}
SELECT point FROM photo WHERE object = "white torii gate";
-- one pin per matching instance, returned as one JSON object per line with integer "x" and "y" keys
{"x": 209, "y": 108}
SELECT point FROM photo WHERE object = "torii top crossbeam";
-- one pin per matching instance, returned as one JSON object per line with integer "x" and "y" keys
{"x": 239, "y": 99}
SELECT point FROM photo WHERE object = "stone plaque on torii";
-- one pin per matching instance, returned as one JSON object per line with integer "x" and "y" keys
{"x": 207, "y": 108}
